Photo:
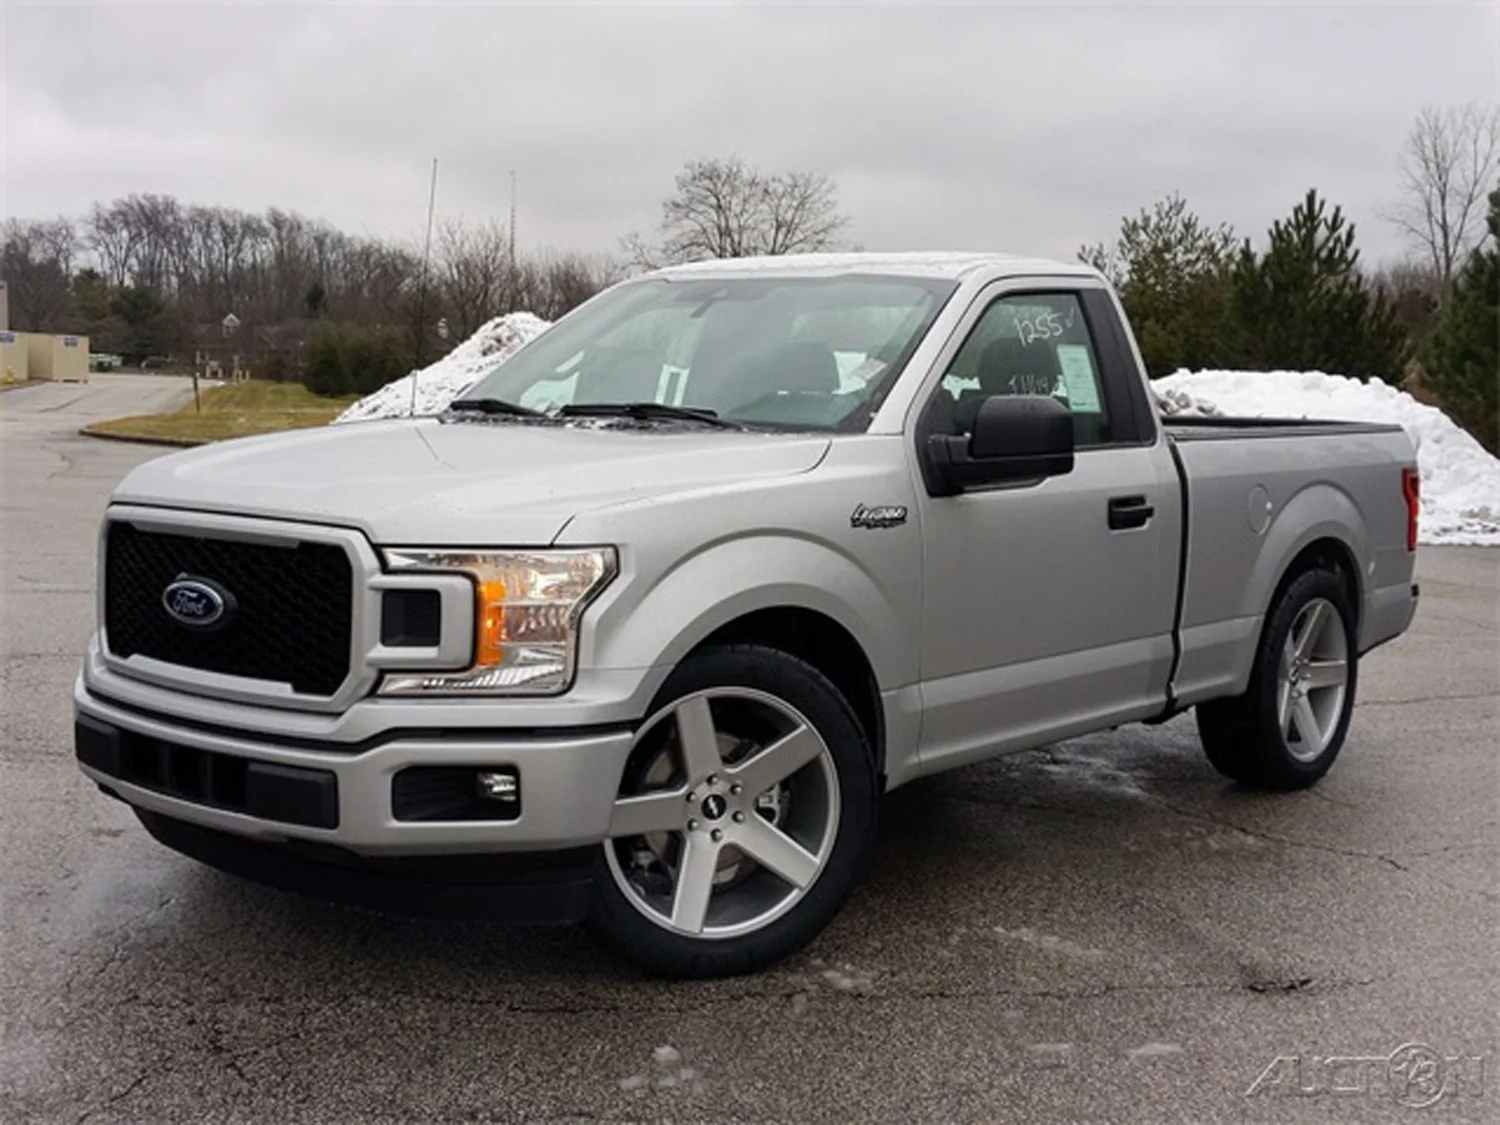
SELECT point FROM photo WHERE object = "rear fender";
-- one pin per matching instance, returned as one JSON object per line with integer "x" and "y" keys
{"x": 1320, "y": 511}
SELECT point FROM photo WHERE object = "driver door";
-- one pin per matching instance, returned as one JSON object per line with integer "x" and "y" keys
{"x": 1048, "y": 605}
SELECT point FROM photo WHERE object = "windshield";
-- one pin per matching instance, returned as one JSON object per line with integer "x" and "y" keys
{"x": 780, "y": 352}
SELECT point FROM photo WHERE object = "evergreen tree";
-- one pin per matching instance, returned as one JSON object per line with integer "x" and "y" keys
{"x": 347, "y": 358}
{"x": 1304, "y": 305}
{"x": 93, "y": 312}
{"x": 1172, "y": 273}
{"x": 91, "y": 296}
{"x": 146, "y": 322}
{"x": 315, "y": 301}
{"x": 1461, "y": 363}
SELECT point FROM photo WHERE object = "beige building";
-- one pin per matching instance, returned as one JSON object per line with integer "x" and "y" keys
{"x": 14, "y": 357}
{"x": 64, "y": 358}
{"x": 39, "y": 355}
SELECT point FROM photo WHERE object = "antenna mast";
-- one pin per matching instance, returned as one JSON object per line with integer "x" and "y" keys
{"x": 422, "y": 287}
{"x": 512, "y": 224}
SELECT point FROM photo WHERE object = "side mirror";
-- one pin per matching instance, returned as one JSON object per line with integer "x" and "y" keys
{"x": 1015, "y": 438}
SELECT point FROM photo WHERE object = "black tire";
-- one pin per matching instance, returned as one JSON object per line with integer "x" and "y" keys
{"x": 618, "y": 924}
{"x": 1243, "y": 736}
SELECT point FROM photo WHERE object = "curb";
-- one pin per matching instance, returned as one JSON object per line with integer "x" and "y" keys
{"x": 21, "y": 386}
{"x": 143, "y": 439}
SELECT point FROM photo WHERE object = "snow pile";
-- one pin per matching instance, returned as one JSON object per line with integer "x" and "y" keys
{"x": 440, "y": 383}
{"x": 1178, "y": 400}
{"x": 1460, "y": 480}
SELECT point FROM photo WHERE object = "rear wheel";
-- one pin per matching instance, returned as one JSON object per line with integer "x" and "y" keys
{"x": 1287, "y": 728}
{"x": 745, "y": 816}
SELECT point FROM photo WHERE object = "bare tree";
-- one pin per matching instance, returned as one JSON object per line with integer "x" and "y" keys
{"x": 1411, "y": 289}
{"x": 182, "y": 267}
{"x": 558, "y": 283}
{"x": 112, "y": 240}
{"x": 474, "y": 279}
{"x": 36, "y": 259}
{"x": 1448, "y": 165}
{"x": 155, "y": 222}
{"x": 726, "y": 209}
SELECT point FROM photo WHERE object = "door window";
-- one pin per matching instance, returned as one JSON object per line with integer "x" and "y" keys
{"x": 1028, "y": 344}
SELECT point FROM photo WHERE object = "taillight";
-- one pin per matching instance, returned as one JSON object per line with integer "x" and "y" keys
{"x": 1411, "y": 488}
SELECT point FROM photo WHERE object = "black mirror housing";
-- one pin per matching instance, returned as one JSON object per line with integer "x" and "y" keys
{"x": 1015, "y": 438}
{"x": 1021, "y": 426}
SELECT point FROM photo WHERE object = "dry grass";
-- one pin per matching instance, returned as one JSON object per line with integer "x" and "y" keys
{"x": 234, "y": 410}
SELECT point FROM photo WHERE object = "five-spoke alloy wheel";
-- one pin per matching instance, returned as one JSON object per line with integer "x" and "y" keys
{"x": 745, "y": 814}
{"x": 1287, "y": 728}
{"x": 1313, "y": 679}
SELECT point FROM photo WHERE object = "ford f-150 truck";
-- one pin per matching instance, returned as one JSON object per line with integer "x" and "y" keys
{"x": 639, "y": 629}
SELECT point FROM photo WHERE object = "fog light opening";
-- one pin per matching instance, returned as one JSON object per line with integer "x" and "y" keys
{"x": 498, "y": 785}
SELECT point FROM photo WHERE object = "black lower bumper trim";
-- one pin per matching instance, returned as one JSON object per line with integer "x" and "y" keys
{"x": 529, "y": 887}
{"x": 285, "y": 794}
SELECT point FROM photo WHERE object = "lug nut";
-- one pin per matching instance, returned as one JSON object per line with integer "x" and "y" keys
{"x": 713, "y": 779}
{"x": 736, "y": 788}
{"x": 692, "y": 826}
{"x": 717, "y": 835}
{"x": 739, "y": 818}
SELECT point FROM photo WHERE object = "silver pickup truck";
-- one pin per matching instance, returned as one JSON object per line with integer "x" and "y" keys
{"x": 639, "y": 630}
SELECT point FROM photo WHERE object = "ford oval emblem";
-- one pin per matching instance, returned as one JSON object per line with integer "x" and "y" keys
{"x": 197, "y": 602}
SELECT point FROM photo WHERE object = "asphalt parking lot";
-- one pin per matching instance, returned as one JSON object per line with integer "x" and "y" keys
{"x": 1102, "y": 931}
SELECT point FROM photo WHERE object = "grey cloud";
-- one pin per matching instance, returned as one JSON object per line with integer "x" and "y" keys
{"x": 1026, "y": 128}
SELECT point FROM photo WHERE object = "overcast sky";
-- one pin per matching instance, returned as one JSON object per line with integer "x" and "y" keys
{"x": 1029, "y": 129}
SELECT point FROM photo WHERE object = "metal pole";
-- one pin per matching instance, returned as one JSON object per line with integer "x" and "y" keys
{"x": 422, "y": 287}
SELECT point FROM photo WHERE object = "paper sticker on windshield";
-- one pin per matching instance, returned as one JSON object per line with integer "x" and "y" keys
{"x": 1078, "y": 377}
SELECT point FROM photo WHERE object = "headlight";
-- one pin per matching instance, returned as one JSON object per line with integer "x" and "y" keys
{"x": 527, "y": 608}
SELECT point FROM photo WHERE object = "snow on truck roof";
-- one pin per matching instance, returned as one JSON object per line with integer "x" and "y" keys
{"x": 948, "y": 265}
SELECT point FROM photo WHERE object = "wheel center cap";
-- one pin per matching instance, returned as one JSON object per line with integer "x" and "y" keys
{"x": 714, "y": 806}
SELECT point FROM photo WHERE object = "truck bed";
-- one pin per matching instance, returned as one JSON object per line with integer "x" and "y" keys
{"x": 1252, "y": 508}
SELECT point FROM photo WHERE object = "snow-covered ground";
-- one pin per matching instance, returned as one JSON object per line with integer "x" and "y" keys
{"x": 1460, "y": 480}
{"x": 440, "y": 383}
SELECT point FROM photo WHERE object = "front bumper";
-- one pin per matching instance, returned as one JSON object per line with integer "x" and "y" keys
{"x": 529, "y": 887}
{"x": 283, "y": 790}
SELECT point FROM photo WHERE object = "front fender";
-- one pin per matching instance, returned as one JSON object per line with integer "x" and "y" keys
{"x": 728, "y": 579}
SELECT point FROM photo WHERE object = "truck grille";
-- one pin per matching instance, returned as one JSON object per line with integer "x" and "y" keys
{"x": 291, "y": 617}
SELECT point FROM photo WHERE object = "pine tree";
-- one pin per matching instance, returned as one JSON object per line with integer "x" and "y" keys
{"x": 1461, "y": 363}
{"x": 315, "y": 301}
{"x": 146, "y": 322}
{"x": 1304, "y": 305}
{"x": 1172, "y": 273}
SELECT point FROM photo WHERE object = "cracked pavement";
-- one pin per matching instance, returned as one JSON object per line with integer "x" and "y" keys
{"x": 1100, "y": 931}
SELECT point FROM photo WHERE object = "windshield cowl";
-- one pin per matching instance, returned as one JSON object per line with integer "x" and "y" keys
{"x": 613, "y": 421}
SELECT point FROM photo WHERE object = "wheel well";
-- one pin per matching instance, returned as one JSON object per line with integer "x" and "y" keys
{"x": 1325, "y": 554}
{"x": 828, "y": 647}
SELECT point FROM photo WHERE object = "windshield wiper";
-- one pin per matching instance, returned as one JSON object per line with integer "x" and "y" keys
{"x": 648, "y": 411}
{"x": 495, "y": 406}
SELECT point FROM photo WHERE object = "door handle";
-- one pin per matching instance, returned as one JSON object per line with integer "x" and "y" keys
{"x": 1126, "y": 512}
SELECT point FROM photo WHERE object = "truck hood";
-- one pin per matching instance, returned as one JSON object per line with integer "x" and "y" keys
{"x": 420, "y": 481}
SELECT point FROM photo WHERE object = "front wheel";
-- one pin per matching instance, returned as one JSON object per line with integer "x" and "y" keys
{"x": 1288, "y": 727}
{"x": 745, "y": 816}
